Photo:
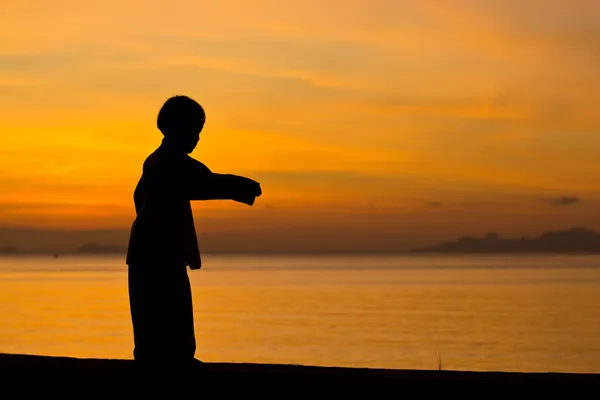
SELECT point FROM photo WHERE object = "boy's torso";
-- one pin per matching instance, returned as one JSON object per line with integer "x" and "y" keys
{"x": 163, "y": 231}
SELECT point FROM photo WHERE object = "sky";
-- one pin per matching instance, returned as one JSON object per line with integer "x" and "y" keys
{"x": 377, "y": 125}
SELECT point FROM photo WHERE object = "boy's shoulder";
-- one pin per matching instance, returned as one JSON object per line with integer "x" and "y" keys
{"x": 159, "y": 160}
{"x": 196, "y": 165}
{"x": 152, "y": 159}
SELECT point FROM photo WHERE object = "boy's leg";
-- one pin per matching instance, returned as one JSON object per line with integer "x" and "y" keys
{"x": 183, "y": 335}
{"x": 162, "y": 314}
{"x": 149, "y": 298}
{"x": 138, "y": 298}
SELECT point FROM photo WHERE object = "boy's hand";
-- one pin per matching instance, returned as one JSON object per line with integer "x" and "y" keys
{"x": 252, "y": 188}
{"x": 248, "y": 192}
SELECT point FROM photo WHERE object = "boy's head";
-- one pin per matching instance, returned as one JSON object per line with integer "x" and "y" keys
{"x": 181, "y": 120}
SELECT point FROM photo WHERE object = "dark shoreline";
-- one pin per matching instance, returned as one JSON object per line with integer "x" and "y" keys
{"x": 63, "y": 373}
{"x": 323, "y": 254}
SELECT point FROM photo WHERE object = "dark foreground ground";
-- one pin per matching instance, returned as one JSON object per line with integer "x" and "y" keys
{"x": 23, "y": 374}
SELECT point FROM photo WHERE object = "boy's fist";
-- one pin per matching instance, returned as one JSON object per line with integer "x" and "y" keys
{"x": 251, "y": 188}
{"x": 248, "y": 192}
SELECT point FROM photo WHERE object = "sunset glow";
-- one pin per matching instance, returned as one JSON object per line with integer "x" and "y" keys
{"x": 390, "y": 122}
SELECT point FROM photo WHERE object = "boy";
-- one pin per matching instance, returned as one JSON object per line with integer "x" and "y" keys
{"x": 163, "y": 238}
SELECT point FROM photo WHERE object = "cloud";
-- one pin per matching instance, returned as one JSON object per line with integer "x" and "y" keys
{"x": 565, "y": 200}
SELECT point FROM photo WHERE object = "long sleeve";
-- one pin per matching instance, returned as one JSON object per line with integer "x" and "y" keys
{"x": 203, "y": 184}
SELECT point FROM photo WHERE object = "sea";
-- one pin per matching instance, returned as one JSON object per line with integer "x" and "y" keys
{"x": 482, "y": 313}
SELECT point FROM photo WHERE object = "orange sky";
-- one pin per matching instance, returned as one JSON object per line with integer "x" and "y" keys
{"x": 398, "y": 121}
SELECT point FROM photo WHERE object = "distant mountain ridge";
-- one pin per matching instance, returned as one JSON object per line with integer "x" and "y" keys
{"x": 571, "y": 241}
{"x": 9, "y": 250}
{"x": 574, "y": 240}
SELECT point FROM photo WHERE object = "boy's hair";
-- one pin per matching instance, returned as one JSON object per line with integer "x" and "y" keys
{"x": 179, "y": 112}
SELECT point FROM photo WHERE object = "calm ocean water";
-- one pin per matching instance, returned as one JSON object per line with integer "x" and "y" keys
{"x": 524, "y": 313}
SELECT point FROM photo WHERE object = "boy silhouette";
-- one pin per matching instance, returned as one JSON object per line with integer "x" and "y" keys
{"x": 163, "y": 238}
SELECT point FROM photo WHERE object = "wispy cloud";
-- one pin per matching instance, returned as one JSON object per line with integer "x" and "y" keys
{"x": 565, "y": 200}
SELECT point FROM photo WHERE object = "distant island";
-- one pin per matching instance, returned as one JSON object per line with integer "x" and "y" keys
{"x": 95, "y": 248}
{"x": 571, "y": 241}
{"x": 9, "y": 250}
{"x": 576, "y": 240}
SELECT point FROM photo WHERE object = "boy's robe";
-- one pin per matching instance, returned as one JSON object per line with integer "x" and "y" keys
{"x": 162, "y": 242}
{"x": 163, "y": 233}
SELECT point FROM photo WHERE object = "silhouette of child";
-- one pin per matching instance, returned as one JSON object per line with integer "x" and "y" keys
{"x": 163, "y": 238}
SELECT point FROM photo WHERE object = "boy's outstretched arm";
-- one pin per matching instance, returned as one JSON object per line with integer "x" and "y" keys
{"x": 203, "y": 184}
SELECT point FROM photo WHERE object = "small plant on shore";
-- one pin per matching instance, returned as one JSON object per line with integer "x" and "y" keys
{"x": 438, "y": 357}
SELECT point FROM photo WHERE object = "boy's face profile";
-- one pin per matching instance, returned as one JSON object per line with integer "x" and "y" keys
{"x": 181, "y": 120}
{"x": 190, "y": 138}
{"x": 185, "y": 134}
